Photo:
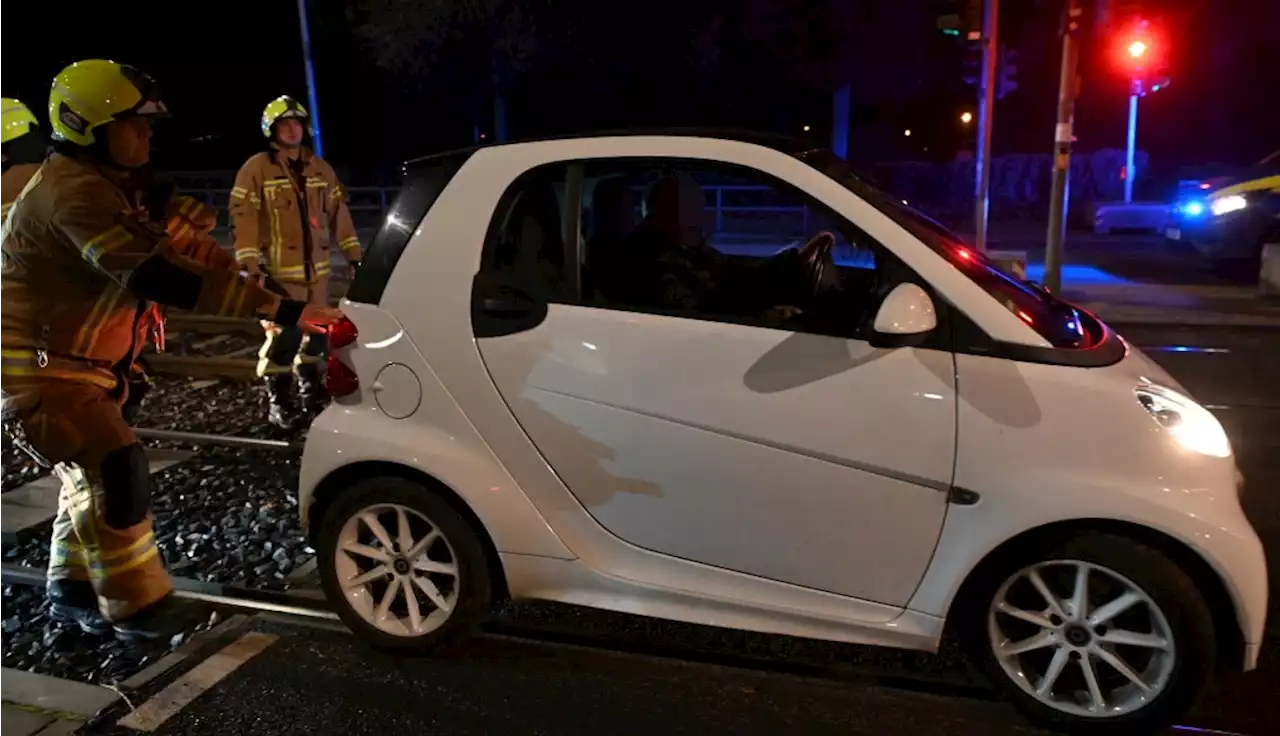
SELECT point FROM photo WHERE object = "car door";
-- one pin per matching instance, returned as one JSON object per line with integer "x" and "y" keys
{"x": 813, "y": 459}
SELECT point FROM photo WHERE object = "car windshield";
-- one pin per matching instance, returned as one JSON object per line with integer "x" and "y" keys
{"x": 1053, "y": 318}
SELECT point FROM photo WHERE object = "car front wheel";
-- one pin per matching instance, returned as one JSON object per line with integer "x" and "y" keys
{"x": 1100, "y": 634}
{"x": 402, "y": 567}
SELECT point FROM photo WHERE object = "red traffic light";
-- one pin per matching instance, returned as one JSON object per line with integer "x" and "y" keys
{"x": 1138, "y": 49}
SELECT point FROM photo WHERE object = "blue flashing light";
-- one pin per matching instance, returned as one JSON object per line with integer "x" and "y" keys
{"x": 1191, "y": 208}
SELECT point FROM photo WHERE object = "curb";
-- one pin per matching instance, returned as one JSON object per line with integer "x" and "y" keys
{"x": 40, "y": 704}
{"x": 144, "y": 676}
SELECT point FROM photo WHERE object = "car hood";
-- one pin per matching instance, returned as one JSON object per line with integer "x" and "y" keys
{"x": 1141, "y": 367}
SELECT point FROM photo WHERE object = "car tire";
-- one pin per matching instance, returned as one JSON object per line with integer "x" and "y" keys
{"x": 458, "y": 546}
{"x": 1113, "y": 561}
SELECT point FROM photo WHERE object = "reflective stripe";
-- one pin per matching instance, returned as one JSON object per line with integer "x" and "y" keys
{"x": 350, "y": 243}
{"x": 179, "y": 235}
{"x": 233, "y": 300}
{"x": 336, "y": 193}
{"x": 92, "y": 378}
{"x": 265, "y": 366}
{"x": 244, "y": 253}
{"x": 97, "y": 319}
{"x": 105, "y": 242}
{"x": 23, "y": 362}
{"x": 299, "y": 273}
{"x": 1253, "y": 185}
{"x": 131, "y": 556}
{"x": 75, "y": 556}
{"x": 276, "y": 246}
{"x": 239, "y": 192}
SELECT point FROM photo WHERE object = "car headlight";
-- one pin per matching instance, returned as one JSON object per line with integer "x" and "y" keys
{"x": 1230, "y": 203}
{"x": 1191, "y": 425}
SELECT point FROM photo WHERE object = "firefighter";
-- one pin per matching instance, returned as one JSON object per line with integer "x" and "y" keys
{"x": 24, "y": 149}
{"x": 83, "y": 265}
{"x": 287, "y": 207}
{"x": 189, "y": 224}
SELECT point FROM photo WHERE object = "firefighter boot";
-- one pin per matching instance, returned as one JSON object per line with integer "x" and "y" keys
{"x": 163, "y": 619}
{"x": 282, "y": 411}
{"x": 75, "y": 602}
{"x": 311, "y": 388}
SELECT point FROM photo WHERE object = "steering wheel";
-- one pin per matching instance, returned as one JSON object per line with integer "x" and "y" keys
{"x": 816, "y": 257}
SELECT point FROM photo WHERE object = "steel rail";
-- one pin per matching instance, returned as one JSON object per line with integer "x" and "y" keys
{"x": 298, "y": 604}
{"x": 226, "y": 595}
{"x": 200, "y": 438}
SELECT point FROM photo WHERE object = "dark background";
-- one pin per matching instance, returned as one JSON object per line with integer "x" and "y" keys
{"x": 398, "y": 78}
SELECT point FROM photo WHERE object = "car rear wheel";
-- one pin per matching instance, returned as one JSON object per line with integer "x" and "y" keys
{"x": 1100, "y": 634}
{"x": 402, "y": 567}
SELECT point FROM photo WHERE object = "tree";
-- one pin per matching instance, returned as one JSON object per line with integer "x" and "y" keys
{"x": 474, "y": 51}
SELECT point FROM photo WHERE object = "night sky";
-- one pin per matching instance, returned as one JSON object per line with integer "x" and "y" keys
{"x": 766, "y": 64}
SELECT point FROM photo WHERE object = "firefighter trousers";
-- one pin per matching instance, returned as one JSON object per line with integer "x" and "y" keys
{"x": 103, "y": 533}
{"x": 288, "y": 349}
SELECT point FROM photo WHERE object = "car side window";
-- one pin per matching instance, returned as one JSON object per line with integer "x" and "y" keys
{"x": 525, "y": 246}
{"x": 712, "y": 241}
{"x": 685, "y": 238}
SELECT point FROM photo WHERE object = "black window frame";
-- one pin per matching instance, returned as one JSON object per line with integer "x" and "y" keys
{"x": 424, "y": 181}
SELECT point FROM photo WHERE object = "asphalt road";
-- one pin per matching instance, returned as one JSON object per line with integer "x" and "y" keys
{"x": 678, "y": 680}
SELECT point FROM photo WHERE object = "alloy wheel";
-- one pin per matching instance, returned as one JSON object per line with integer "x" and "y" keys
{"x": 397, "y": 570}
{"x": 1081, "y": 639}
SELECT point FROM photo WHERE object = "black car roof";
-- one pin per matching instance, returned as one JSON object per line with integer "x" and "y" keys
{"x": 776, "y": 141}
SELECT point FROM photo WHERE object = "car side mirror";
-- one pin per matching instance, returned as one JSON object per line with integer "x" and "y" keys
{"x": 905, "y": 318}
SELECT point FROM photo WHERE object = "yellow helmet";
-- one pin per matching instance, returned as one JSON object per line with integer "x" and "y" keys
{"x": 90, "y": 94}
{"x": 15, "y": 120}
{"x": 280, "y": 108}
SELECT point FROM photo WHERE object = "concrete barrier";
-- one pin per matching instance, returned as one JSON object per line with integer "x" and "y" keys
{"x": 1269, "y": 273}
{"x": 1148, "y": 216}
{"x": 1013, "y": 261}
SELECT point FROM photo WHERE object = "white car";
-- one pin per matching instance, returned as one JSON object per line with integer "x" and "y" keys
{"x": 592, "y": 370}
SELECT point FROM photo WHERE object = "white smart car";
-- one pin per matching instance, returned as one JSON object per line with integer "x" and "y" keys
{"x": 720, "y": 378}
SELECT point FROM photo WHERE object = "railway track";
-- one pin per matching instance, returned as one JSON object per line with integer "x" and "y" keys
{"x": 574, "y": 627}
{"x": 208, "y": 347}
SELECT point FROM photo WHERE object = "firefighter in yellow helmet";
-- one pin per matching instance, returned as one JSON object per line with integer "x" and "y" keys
{"x": 24, "y": 149}
{"x": 288, "y": 210}
{"x": 84, "y": 262}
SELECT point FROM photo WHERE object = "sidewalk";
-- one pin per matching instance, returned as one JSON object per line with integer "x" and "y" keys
{"x": 1142, "y": 279}
{"x": 49, "y": 706}
{"x": 1172, "y": 304}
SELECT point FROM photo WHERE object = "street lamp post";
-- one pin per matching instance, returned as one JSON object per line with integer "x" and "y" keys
{"x": 311, "y": 78}
{"x": 1135, "y": 90}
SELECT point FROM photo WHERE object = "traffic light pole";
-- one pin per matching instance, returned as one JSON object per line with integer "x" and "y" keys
{"x": 986, "y": 114}
{"x": 311, "y": 78}
{"x": 1060, "y": 189}
{"x": 1129, "y": 173}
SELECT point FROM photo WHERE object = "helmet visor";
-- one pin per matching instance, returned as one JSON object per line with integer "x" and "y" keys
{"x": 149, "y": 103}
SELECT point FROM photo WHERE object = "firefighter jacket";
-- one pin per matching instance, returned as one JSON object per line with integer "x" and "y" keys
{"x": 188, "y": 223}
{"x": 286, "y": 215}
{"x": 12, "y": 182}
{"x": 82, "y": 266}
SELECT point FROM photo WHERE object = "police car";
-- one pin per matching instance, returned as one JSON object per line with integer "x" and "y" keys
{"x": 1227, "y": 219}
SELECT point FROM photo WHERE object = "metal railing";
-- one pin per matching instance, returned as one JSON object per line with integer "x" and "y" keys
{"x": 369, "y": 205}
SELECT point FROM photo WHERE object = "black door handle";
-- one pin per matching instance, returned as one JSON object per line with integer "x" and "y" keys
{"x": 508, "y": 308}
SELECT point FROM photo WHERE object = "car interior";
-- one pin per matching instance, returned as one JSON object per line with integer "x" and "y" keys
{"x": 621, "y": 245}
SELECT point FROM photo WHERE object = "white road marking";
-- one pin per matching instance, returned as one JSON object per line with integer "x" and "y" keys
{"x": 165, "y": 704}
